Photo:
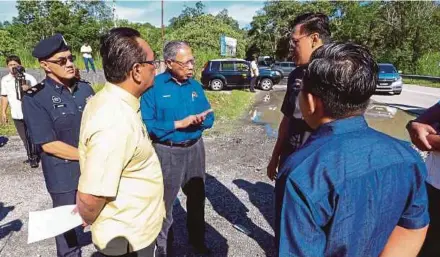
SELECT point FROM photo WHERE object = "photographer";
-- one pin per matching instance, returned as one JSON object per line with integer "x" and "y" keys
{"x": 12, "y": 87}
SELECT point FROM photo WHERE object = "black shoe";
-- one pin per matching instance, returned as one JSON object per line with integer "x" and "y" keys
{"x": 201, "y": 249}
{"x": 27, "y": 161}
{"x": 33, "y": 163}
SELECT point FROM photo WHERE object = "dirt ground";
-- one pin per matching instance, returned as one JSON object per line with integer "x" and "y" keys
{"x": 237, "y": 189}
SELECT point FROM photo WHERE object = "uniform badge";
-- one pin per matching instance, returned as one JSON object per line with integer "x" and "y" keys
{"x": 194, "y": 95}
{"x": 56, "y": 99}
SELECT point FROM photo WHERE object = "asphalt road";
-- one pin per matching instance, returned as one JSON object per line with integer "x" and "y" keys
{"x": 413, "y": 98}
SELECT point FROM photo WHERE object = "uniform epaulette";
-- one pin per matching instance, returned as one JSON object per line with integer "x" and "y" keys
{"x": 84, "y": 81}
{"x": 35, "y": 89}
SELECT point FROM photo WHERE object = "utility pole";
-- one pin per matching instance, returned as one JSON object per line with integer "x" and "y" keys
{"x": 163, "y": 28}
{"x": 114, "y": 13}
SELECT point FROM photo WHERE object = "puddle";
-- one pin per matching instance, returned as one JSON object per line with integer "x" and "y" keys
{"x": 389, "y": 120}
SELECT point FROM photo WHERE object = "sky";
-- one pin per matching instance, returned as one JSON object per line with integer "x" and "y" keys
{"x": 149, "y": 11}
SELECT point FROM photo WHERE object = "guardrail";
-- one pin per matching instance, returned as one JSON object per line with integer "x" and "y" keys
{"x": 430, "y": 78}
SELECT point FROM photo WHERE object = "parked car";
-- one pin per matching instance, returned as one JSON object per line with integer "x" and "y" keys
{"x": 285, "y": 68}
{"x": 220, "y": 73}
{"x": 390, "y": 80}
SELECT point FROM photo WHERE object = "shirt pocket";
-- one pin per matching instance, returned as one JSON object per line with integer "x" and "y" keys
{"x": 64, "y": 124}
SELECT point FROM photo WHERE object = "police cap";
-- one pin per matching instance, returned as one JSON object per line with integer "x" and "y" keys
{"x": 50, "y": 46}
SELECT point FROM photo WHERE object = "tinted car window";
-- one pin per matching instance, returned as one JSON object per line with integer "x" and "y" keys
{"x": 215, "y": 66}
{"x": 284, "y": 64}
{"x": 227, "y": 66}
{"x": 242, "y": 66}
{"x": 387, "y": 69}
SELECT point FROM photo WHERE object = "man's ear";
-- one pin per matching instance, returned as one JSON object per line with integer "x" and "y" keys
{"x": 316, "y": 40}
{"x": 136, "y": 72}
{"x": 168, "y": 64}
{"x": 45, "y": 66}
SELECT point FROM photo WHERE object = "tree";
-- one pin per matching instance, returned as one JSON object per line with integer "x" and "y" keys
{"x": 187, "y": 15}
{"x": 7, "y": 44}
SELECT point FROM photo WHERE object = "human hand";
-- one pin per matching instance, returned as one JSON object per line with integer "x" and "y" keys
{"x": 188, "y": 121}
{"x": 272, "y": 169}
{"x": 76, "y": 211}
{"x": 4, "y": 118}
{"x": 25, "y": 87}
{"x": 418, "y": 133}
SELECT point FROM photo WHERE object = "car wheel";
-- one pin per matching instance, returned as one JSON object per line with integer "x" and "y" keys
{"x": 216, "y": 84}
{"x": 266, "y": 84}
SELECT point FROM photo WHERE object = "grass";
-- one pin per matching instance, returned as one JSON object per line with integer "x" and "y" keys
{"x": 29, "y": 62}
{"x": 228, "y": 106}
{"x": 421, "y": 82}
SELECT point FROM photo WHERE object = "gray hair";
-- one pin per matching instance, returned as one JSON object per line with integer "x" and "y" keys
{"x": 172, "y": 47}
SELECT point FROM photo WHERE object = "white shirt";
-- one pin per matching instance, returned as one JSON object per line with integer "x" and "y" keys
{"x": 254, "y": 69}
{"x": 433, "y": 166}
{"x": 8, "y": 90}
{"x": 87, "y": 51}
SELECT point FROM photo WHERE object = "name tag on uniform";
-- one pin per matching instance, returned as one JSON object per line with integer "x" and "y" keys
{"x": 55, "y": 106}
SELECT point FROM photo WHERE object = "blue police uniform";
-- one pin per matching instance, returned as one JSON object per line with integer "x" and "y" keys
{"x": 344, "y": 192}
{"x": 181, "y": 151}
{"x": 53, "y": 113}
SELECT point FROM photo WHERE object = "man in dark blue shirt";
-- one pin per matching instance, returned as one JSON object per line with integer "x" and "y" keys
{"x": 52, "y": 112}
{"x": 350, "y": 190}
{"x": 176, "y": 112}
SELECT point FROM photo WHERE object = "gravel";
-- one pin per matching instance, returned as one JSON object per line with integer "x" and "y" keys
{"x": 237, "y": 189}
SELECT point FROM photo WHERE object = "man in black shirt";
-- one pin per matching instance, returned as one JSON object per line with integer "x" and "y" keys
{"x": 310, "y": 31}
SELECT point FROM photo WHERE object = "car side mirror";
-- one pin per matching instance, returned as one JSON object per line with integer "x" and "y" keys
{"x": 400, "y": 72}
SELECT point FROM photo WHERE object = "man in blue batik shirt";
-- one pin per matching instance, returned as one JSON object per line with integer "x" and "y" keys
{"x": 176, "y": 112}
{"x": 350, "y": 190}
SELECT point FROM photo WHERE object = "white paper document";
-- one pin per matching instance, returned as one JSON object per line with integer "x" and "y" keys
{"x": 52, "y": 222}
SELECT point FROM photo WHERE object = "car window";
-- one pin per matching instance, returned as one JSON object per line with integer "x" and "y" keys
{"x": 215, "y": 66}
{"x": 228, "y": 66}
{"x": 241, "y": 66}
{"x": 292, "y": 65}
{"x": 387, "y": 69}
{"x": 284, "y": 64}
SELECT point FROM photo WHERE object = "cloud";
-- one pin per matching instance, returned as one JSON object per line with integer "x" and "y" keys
{"x": 146, "y": 13}
{"x": 240, "y": 12}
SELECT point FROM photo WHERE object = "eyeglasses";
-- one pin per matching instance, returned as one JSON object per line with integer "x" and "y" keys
{"x": 293, "y": 43}
{"x": 63, "y": 60}
{"x": 185, "y": 64}
{"x": 156, "y": 64}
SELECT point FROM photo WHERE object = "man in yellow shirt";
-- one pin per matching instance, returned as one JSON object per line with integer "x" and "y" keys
{"x": 120, "y": 190}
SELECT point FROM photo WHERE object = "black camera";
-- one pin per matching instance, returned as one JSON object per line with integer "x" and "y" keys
{"x": 20, "y": 80}
{"x": 19, "y": 70}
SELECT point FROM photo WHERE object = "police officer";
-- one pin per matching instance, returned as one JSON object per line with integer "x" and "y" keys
{"x": 176, "y": 112}
{"x": 52, "y": 111}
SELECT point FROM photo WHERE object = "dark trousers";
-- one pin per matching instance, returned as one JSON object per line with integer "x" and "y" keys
{"x": 431, "y": 246}
{"x": 68, "y": 244}
{"x": 253, "y": 82}
{"x": 88, "y": 61}
{"x": 21, "y": 129}
{"x": 183, "y": 168}
{"x": 145, "y": 252}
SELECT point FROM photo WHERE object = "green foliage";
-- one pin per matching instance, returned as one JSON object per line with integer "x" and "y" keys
{"x": 422, "y": 82}
{"x": 7, "y": 43}
{"x": 400, "y": 32}
{"x": 203, "y": 34}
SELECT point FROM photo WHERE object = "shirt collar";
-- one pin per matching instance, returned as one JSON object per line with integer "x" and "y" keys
{"x": 10, "y": 78}
{"x": 117, "y": 91}
{"x": 55, "y": 85}
{"x": 168, "y": 77}
{"x": 343, "y": 126}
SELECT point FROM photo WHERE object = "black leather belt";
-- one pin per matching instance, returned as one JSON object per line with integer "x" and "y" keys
{"x": 187, "y": 143}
